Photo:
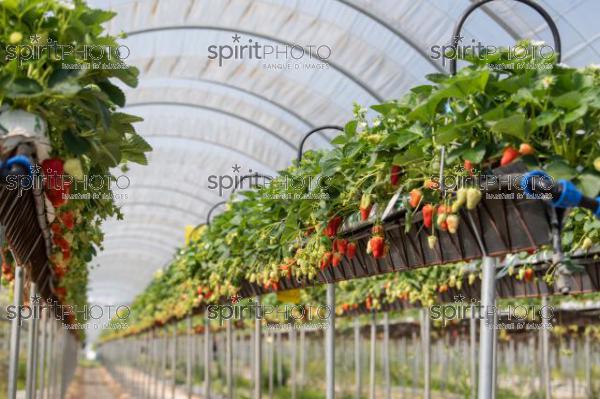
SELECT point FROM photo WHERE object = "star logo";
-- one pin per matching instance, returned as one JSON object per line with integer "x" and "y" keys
{"x": 235, "y": 299}
{"x": 36, "y": 298}
{"x": 458, "y": 38}
{"x": 236, "y": 168}
{"x": 35, "y": 38}
{"x": 236, "y": 38}
{"x": 459, "y": 298}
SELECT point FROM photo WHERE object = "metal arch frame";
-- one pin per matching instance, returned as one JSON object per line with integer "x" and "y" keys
{"x": 335, "y": 66}
{"x": 151, "y": 226}
{"x": 215, "y": 206}
{"x": 538, "y": 8}
{"x": 217, "y": 110}
{"x": 147, "y": 240}
{"x": 395, "y": 31}
{"x": 174, "y": 190}
{"x": 282, "y": 107}
{"x": 310, "y": 133}
{"x": 159, "y": 205}
{"x": 276, "y": 104}
{"x": 199, "y": 140}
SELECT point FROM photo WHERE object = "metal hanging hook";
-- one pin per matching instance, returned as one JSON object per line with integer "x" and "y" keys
{"x": 540, "y": 10}
{"x": 315, "y": 130}
{"x": 218, "y": 204}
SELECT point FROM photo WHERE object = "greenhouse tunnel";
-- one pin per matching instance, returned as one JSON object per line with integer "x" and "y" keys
{"x": 300, "y": 199}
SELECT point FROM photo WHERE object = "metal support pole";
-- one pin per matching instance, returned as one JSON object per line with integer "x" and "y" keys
{"x": 207, "y": 355}
{"x": 42, "y": 360}
{"x": 32, "y": 342}
{"x": 165, "y": 349}
{"x": 386, "y": 355}
{"x": 486, "y": 333}
{"x": 229, "y": 359}
{"x": 271, "y": 365}
{"x": 473, "y": 352}
{"x": 302, "y": 357}
{"x": 330, "y": 344}
{"x": 293, "y": 359}
{"x": 51, "y": 356}
{"x": 357, "y": 366}
{"x": 426, "y": 342}
{"x": 15, "y": 335}
{"x": 546, "y": 348}
{"x": 495, "y": 356}
{"x": 257, "y": 354}
{"x": 372, "y": 356}
{"x": 174, "y": 362}
{"x": 189, "y": 354}
{"x": 588, "y": 366}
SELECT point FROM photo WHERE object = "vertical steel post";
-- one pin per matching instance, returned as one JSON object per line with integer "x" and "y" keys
{"x": 51, "y": 356}
{"x": 42, "y": 360}
{"x": 207, "y": 355}
{"x": 495, "y": 356}
{"x": 189, "y": 353}
{"x": 229, "y": 359}
{"x": 293, "y": 360}
{"x": 258, "y": 352}
{"x": 165, "y": 349}
{"x": 330, "y": 344}
{"x": 31, "y": 342}
{"x": 546, "y": 348}
{"x": 386, "y": 355}
{"x": 271, "y": 364}
{"x": 372, "y": 356}
{"x": 357, "y": 366}
{"x": 486, "y": 333}
{"x": 426, "y": 342}
{"x": 302, "y": 357}
{"x": 473, "y": 352}
{"x": 15, "y": 335}
{"x": 174, "y": 362}
{"x": 588, "y": 366}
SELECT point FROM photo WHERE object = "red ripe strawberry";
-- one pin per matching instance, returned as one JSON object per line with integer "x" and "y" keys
{"x": 66, "y": 253}
{"x": 469, "y": 166}
{"x": 53, "y": 167}
{"x": 60, "y": 242}
{"x": 528, "y": 275}
{"x": 377, "y": 244}
{"x": 415, "y": 196}
{"x": 336, "y": 259}
{"x": 340, "y": 246}
{"x": 509, "y": 155}
{"x": 56, "y": 229}
{"x": 369, "y": 303}
{"x": 365, "y": 206}
{"x": 332, "y": 226}
{"x": 428, "y": 215}
{"x": 365, "y": 212}
{"x": 68, "y": 219}
{"x": 395, "y": 175}
{"x": 351, "y": 250}
{"x": 59, "y": 272}
{"x": 326, "y": 260}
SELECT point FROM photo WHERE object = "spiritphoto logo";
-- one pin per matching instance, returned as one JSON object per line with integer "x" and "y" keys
{"x": 538, "y": 55}
{"x": 308, "y": 313}
{"x": 279, "y": 56}
{"x": 92, "y": 54}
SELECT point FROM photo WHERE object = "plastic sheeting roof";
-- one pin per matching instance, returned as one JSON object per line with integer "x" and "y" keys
{"x": 203, "y": 119}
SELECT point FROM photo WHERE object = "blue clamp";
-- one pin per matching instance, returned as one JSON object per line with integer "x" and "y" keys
{"x": 21, "y": 160}
{"x": 525, "y": 181}
{"x": 570, "y": 196}
{"x": 597, "y": 212}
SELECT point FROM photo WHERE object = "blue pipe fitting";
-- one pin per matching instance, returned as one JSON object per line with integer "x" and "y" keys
{"x": 21, "y": 160}
{"x": 570, "y": 196}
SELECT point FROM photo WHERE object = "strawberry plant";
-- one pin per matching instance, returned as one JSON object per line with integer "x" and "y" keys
{"x": 46, "y": 55}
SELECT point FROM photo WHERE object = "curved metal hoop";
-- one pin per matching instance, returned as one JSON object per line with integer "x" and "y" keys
{"x": 540, "y": 10}
{"x": 315, "y": 130}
